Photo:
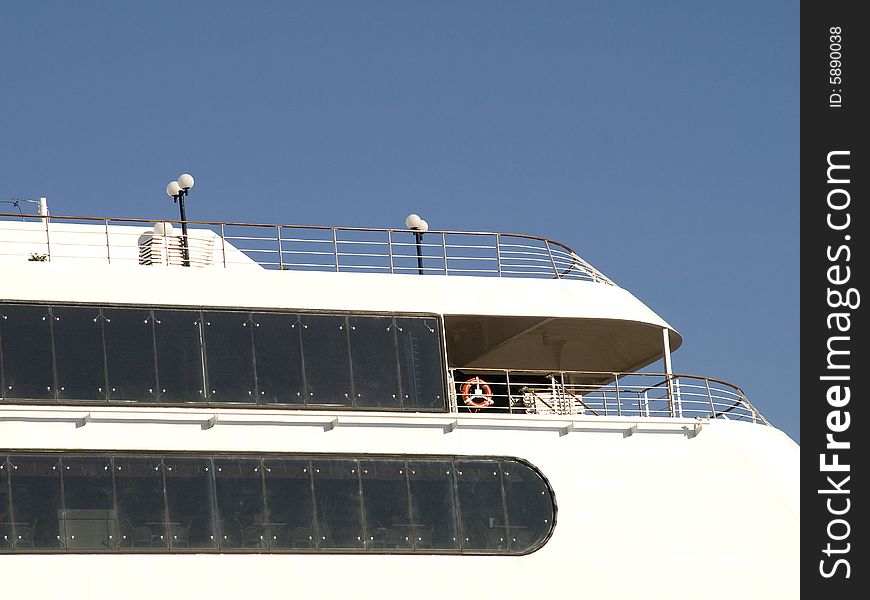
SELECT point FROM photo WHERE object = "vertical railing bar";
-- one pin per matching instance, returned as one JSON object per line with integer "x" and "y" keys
{"x": 390, "y": 247}
{"x": 335, "y": 247}
{"x": 444, "y": 251}
{"x": 710, "y": 398}
{"x": 646, "y": 402}
{"x": 507, "y": 379}
{"x": 498, "y": 253}
{"x": 108, "y": 246}
{"x": 223, "y": 246}
{"x": 280, "y": 250}
{"x": 678, "y": 397}
{"x": 552, "y": 261}
{"x": 47, "y": 240}
{"x": 618, "y": 402}
{"x": 752, "y": 410}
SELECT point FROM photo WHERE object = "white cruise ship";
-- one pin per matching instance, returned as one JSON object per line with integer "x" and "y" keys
{"x": 253, "y": 411}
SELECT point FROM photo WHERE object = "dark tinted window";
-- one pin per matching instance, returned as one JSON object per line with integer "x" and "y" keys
{"x": 25, "y": 332}
{"x": 190, "y": 499}
{"x": 387, "y": 510}
{"x": 36, "y": 502}
{"x": 242, "y": 513}
{"x": 140, "y": 503}
{"x": 338, "y": 503}
{"x": 78, "y": 352}
{"x": 230, "y": 352}
{"x": 179, "y": 356}
{"x": 420, "y": 363}
{"x": 433, "y": 501}
{"x": 129, "y": 335}
{"x": 481, "y": 506}
{"x": 184, "y": 356}
{"x": 373, "y": 358}
{"x": 89, "y": 506}
{"x": 290, "y": 503}
{"x": 529, "y": 506}
{"x": 277, "y": 346}
{"x": 327, "y": 364}
{"x": 248, "y": 504}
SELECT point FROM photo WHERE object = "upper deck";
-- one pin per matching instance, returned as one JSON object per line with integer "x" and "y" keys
{"x": 509, "y": 301}
{"x": 512, "y": 306}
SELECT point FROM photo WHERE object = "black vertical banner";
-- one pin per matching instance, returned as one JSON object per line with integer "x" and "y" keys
{"x": 835, "y": 167}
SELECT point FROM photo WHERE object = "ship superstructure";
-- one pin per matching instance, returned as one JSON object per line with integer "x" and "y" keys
{"x": 248, "y": 408}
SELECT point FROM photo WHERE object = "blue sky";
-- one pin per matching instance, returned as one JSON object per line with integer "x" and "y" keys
{"x": 658, "y": 139}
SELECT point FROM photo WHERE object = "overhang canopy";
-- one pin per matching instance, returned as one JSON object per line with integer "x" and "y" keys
{"x": 557, "y": 344}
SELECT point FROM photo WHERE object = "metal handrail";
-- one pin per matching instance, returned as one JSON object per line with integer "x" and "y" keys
{"x": 604, "y": 393}
{"x": 373, "y": 249}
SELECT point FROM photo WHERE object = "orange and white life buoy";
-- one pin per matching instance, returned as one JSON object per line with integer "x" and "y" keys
{"x": 476, "y": 393}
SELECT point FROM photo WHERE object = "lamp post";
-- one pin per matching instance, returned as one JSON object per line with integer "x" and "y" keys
{"x": 419, "y": 227}
{"x": 177, "y": 190}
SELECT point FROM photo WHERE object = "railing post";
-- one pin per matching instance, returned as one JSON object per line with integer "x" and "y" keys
{"x": 47, "y": 240}
{"x": 390, "y": 247}
{"x": 710, "y": 398}
{"x": 666, "y": 358}
{"x": 108, "y": 246}
{"x": 498, "y": 253}
{"x": 552, "y": 261}
{"x": 444, "y": 251}
{"x": 678, "y": 398}
{"x": 223, "y": 246}
{"x": 646, "y": 402}
{"x": 507, "y": 379}
{"x": 280, "y": 251}
{"x": 618, "y": 402}
{"x": 335, "y": 247}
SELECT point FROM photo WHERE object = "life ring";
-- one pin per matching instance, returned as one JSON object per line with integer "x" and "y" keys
{"x": 476, "y": 393}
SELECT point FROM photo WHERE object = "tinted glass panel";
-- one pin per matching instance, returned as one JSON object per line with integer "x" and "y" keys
{"x": 277, "y": 347}
{"x": 240, "y": 504}
{"x": 36, "y": 502}
{"x": 190, "y": 499}
{"x": 6, "y": 519}
{"x": 387, "y": 511}
{"x": 481, "y": 506}
{"x": 373, "y": 358}
{"x": 27, "y": 354}
{"x": 140, "y": 503}
{"x": 433, "y": 502}
{"x": 337, "y": 500}
{"x": 78, "y": 353}
{"x": 179, "y": 356}
{"x": 327, "y": 365}
{"x": 290, "y": 502}
{"x": 229, "y": 352}
{"x": 129, "y": 335}
{"x": 89, "y": 507}
{"x": 529, "y": 506}
{"x": 96, "y": 503}
{"x": 420, "y": 363}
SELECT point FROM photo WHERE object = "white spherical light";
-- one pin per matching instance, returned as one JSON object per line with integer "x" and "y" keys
{"x": 163, "y": 228}
{"x": 185, "y": 180}
{"x": 423, "y": 226}
{"x": 172, "y": 189}
{"x": 413, "y": 221}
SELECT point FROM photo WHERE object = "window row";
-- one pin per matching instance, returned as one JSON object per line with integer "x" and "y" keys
{"x": 181, "y": 356}
{"x": 124, "y": 503}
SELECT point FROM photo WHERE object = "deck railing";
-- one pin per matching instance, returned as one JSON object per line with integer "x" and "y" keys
{"x": 494, "y": 391}
{"x": 296, "y": 247}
